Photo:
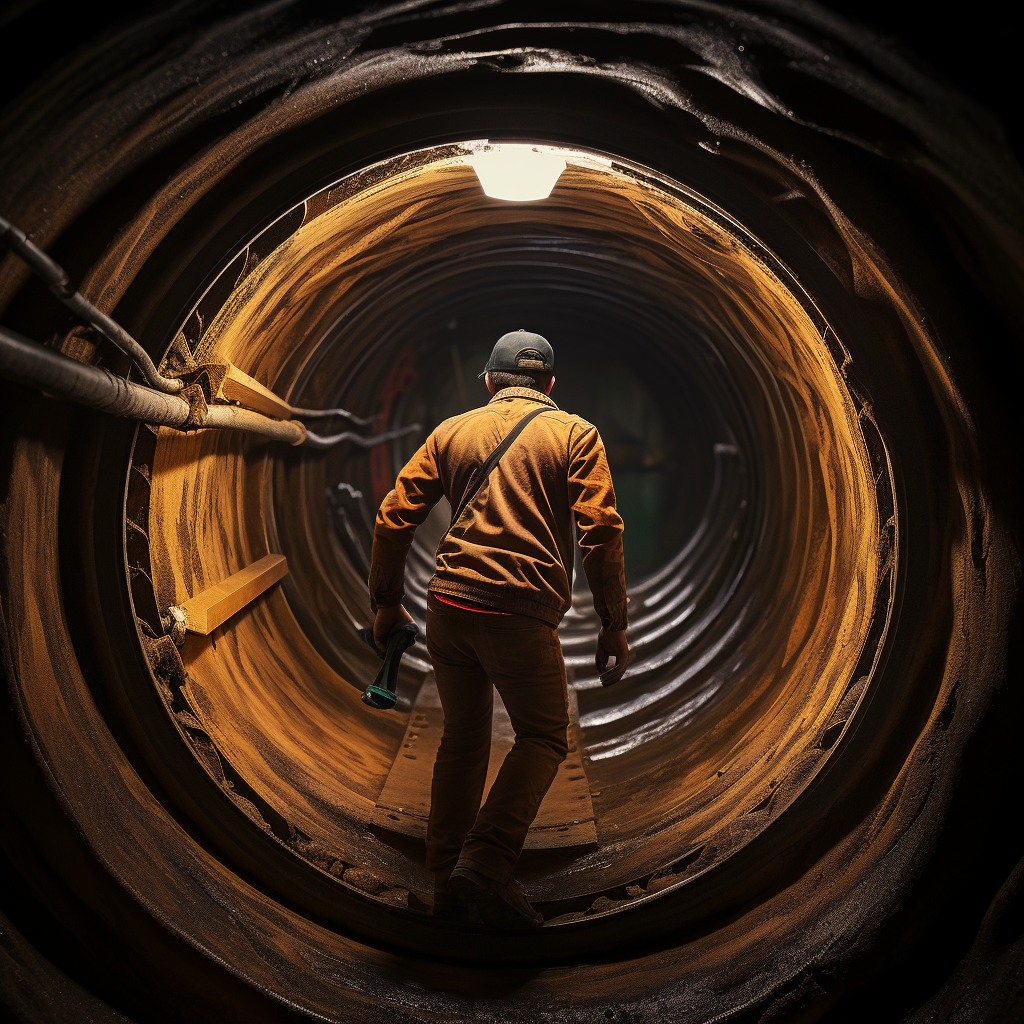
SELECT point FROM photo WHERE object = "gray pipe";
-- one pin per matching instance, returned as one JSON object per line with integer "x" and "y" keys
{"x": 359, "y": 421}
{"x": 39, "y": 367}
{"x": 116, "y": 399}
{"x": 231, "y": 417}
{"x": 57, "y": 281}
{"x": 364, "y": 441}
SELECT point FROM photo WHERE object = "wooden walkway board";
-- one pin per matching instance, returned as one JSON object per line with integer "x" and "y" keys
{"x": 206, "y": 611}
{"x": 566, "y": 817}
{"x": 238, "y": 386}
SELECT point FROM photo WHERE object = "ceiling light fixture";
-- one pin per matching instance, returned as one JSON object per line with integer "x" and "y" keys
{"x": 516, "y": 172}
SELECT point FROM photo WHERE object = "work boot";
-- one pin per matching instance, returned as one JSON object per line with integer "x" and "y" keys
{"x": 500, "y": 906}
{"x": 446, "y": 907}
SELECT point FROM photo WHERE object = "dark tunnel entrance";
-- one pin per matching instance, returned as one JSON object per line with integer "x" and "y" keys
{"x": 819, "y": 580}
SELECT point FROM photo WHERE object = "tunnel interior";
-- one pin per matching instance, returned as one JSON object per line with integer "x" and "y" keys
{"x": 727, "y": 378}
{"x": 776, "y": 350}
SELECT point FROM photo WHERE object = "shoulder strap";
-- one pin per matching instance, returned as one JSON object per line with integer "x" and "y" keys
{"x": 484, "y": 471}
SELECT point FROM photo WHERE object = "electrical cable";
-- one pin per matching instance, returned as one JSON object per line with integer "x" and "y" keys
{"x": 60, "y": 285}
{"x": 37, "y": 366}
{"x": 359, "y": 421}
{"x": 316, "y": 441}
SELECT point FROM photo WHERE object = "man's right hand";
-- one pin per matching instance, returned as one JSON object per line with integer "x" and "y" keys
{"x": 611, "y": 643}
{"x": 385, "y": 620}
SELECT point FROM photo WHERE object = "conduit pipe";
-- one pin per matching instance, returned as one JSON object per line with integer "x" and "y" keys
{"x": 117, "y": 396}
{"x": 231, "y": 417}
{"x": 60, "y": 285}
{"x": 36, "y": 366}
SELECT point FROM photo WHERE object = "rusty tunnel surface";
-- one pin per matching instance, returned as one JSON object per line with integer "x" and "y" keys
{"x": 771, "y": 338}
{"x": 735, "y": 697}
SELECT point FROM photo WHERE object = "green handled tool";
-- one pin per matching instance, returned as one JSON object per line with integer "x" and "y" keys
{"x": 381, "y": 693}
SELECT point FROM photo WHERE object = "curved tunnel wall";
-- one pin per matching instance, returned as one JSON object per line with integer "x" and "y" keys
{"x": 199, "y": 823}
{"x": 754, "y": 698}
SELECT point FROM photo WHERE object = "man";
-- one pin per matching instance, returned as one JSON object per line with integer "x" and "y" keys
{"x": 501, "y": 586}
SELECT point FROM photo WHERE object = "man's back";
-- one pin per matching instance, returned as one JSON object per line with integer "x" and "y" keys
{"x": 511, "y": 547}
{"x": 500, "y": 587}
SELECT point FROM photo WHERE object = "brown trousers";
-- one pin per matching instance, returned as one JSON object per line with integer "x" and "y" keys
{"x": 521, "y": 656}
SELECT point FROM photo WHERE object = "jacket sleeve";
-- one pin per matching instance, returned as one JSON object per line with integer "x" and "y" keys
{"x": 417, "y": 490}
{"x": 598, "y": 526}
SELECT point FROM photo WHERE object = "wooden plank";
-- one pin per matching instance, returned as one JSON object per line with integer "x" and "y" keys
{"x": 206, "y": 611}
{"x": 565, "y": 818}
{"x": 238, "y": 386}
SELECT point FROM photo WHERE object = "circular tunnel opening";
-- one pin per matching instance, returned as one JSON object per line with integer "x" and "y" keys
{"x": 767, "y": 271}
{"x": 758, "y": 570}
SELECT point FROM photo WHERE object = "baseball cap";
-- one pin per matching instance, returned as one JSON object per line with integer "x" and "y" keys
{"x": 520, "y": 350}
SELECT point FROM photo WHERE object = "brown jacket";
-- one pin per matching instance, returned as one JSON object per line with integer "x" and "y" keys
{"x": 512, "y": 546}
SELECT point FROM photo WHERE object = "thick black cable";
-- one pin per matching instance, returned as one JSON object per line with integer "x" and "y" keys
{"x": 60, "y": 285}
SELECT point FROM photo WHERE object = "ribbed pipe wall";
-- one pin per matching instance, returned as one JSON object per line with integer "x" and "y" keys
{"x": 819, "y": 634}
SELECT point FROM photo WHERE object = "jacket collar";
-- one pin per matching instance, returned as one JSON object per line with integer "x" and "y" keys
{"x": 534, "y": 396}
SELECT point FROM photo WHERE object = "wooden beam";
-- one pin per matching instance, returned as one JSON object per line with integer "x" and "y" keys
{"x": 206, "y": 611}
{"x": 239, "y": 387}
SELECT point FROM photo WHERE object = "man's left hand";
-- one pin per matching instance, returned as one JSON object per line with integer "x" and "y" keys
{"x": 611, "y": 643}
{"x": 385, "y": 621}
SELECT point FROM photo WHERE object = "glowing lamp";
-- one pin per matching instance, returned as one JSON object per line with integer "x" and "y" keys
{"x": 517, "y": 173}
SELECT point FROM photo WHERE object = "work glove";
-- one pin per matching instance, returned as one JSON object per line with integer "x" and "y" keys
{"x": 611, "y": 643}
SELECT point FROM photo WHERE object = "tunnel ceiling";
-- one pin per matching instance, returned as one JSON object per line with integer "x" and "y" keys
{"x": 770, "y": 268}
